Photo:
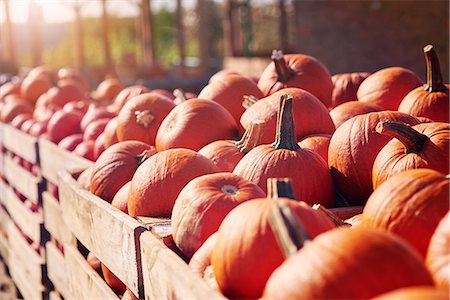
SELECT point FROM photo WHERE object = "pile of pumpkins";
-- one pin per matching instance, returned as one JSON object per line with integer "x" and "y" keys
{"x": 212, "y": 163}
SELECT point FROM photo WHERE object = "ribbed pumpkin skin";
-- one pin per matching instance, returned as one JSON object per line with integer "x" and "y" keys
{"x": 158, "y": 181}
{"x": 392, "y": 159}
{"x": 348, "y": 263}
{"x": 126, "y": 94}
{"x": 120, "y": 199}
{"x": 311, "y": 76}
{"x": 345, "y": 86}
{"x": 310, "y": 115}
{"x": 194, "y": 124}
{"x": 116, "y": 166}
{"x": 409, "y": 204}
{"x": 387, "y": 87}
{"x": 229, "y": 91}
{"x": 348, "y": 110}
{"x": 129, "y": 127}
{"x": 110, "y": 133}
{"x": 311, "y": 179}
{"x": 414, "y": 293}
{"x": 353, "y": 149}
{"x": 224, "y": 154}
{"x": 246, "y": 251}
{"x": 438, "y": 256}
{"x": 202, "y": 205}
{"x": 318, "y": 143}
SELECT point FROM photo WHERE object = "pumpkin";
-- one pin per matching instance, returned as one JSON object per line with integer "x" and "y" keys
{"x": 82, "y": 106}
{"x": 202, "y": 205}
{"x": 285, "y": 158}
{"x": 12, "y": 109}
{"x": 158, "y": 181}
{"x": 318, "y": 143}
{"x": 75, "y": 75}
{"x": 110, "y": 133}
{"x": 425, "y": 145}
{"x": 85, "y": 149}
{"x": 348, "y": 110}
{"x": 353, "y": 149}
{"x": 194, "y": 124}
{"x": 310, "y": 116}
{"x": 221, "y": 74}
{"x": 95, "y": 112}
{"x": 202, "y": 257}
{"x": 126, "y": 94}
{"x": 141, "y": 117}
{"x": 430, "y": 100}
{"x": 19, "y": 119}
{"x": 229, "y": 91}
{"x": 388, "y": 87}
{"x": 297, "y": 70}
{"x": 33, "y": 86}
{"x": 345, "y": 86}
{"x": 63, "y": 124}
{"x": 120, "y": 200}
{"x": 246, "y": 250}
{"x": 99, "y": 146}
{"x": 115, "y": 283}
{"x": 94, "y": 129}
{"x": 9, "y": 88}
{"x": 60, "y": 95}
{"x": 116, "y": 166}
{"x": 225, "y": 154}
{"x": 409, "y": 204}
{"x": 438, "y": 256}
{"x": 84, "y": 179}
{"x": 38, "y": 128}
{"x": 107, "y": 90}
{"x": 414, "y": 293}
{"x": 94, "y": 262}
{"x": 71, "y": 142}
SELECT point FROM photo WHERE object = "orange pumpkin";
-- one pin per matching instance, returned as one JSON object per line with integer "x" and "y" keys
{"x": 409, "y": 204}
{"x": 115, "y": 283}
{"x": 107, "y": 90}
{"x": 158, "y": 181}
{"x": 120, "y": 199}
{"x": 126, "y": 94}
{"x": 425, "y": 145}
{"x": 414, "y": 293}
{"x": 345, "y": 86}
{"x": 202, "y": 257}
{"x": 33, "y": 86}
{"x": 317, "y": 143}
{"x": 348, "y": 110}
{"x": 10, "y": 110}
{"x": 110, "y": 133}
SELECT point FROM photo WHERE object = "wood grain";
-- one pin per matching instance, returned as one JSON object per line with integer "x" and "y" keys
{"x": 57, "y": 271}
{"x": 54, "y": 221}
{"x": 22, "y": 180}
{"x": 20, "y": 143}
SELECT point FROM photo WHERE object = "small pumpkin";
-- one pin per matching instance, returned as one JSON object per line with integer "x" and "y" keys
{"x": 71, "y": 142}
{"x": 94, "y": 129}
{"x": 317, "y": 143}
{"x": 409, "y": 204}
{"x": 345, "y": 86}
{"x": 10, "y": 110}
{"x": 85, "y": 149}
{"x": 63, "y": 124}
{"x": 425, "y": 145}
{"x": 414, "y": 293}
{"x": 107, "y": 90}
{"x": 115, "y": 283}
{"x": 33, "y": 86}
{"x": 432, "y": 99}
{"x": 348, "y": 110}
{"x": 120, "y": 199}
{"x": 126, "y": 94}
{"x": 95, "y": 112}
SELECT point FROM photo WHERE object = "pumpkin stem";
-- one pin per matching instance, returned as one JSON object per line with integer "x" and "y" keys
{"x": 280, "y": 188}
{"x": 286, "y": 137}
{"x": 180, "y": 97}
{"x": 144, "y": 155}
{"x": 329, "y": 214}
{"x": 252, "y": 137}
{"x": 281, "y": 67}
{"x": 144, "y": 117}
{"x": 289, "y": 231}
{"x": 434, "y": 75}
{"x": 249, "y": 101}
{"x": 408, "y": 136}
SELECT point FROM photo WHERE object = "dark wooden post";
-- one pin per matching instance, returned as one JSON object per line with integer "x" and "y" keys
{"x": 105, "y": 38}
{"x": 180, "y": 33}
{"x": 10, "y": 56}
{"x": 146, "y": 33}
{"x": 283, "y": 26}
{"x": 78, "y": 37}
{"x": 228, "y": 34}
{"x": 297, "y": 23}
{"x": 203, "y": 33}
{"x": 35, "y": 21}
{"x": 236, "y": 24}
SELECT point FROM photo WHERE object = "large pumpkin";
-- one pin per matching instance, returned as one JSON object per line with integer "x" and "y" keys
{"x": 194, "y": 124}
{"x": 116, "y": 166}
{"x": 348, "y": 110}
{"x": 297, "y": 70}
{"x": 388, "y": 87}
{"x": 425, "y": 145}
{"x": 202, "y": 205}
{"x": 432, "y": 99}
{"x": 438, "y": 256}
{"x": 285, "y": 158}
{"x": 110, "y": 133}
{"x": 353, "y": 149}
{"x": 345, "y": 86}
{"x": 310, "y": 115}
{"x": 126, "y": 94}
{"x": 414, "y": 293}
{"x": 348, "y": 263}
{"x": 158, "y": 181}
{"x": 409, "y": 204}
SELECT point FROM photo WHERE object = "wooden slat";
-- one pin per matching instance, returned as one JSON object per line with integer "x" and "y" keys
{"x": 20, "y": 143}
{"x": 110, "y": 234}
{"x": 3, "y": 187}
{"x": 2, "y": 163}
{"x": 85, "y": 283}
{"x": 31, "y": 223}
{"x": 54, "y": 159}
{"x": 347, "y": 212}
{"x": 22, "y": 180}
{"x": 25, "y": 266}
{"x": 4, "y": 248}
{"x": 167, "y": 276}
{"x": 53, "y": 219}
{"x": 57, "y": 270}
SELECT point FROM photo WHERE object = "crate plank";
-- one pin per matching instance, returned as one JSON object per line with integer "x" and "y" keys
{"x": 3, "y": 187}
{"x": 57, "y": 270}
{"x": 22, "y": 180}
{"x": 84, "y": 281}
{"x": 4, "y": 248}
{"x": 54, "y": 159}
{"x": 110, "y": 234}
{"x": 31, "y": 223}
{"x": 167, "y": 276}
{"x": 20, "y": 143}
{"x": 2, "y": 163}
{"x": 53, "y": 219}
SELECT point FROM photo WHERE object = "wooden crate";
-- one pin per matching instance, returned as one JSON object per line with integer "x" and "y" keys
{"x": 57, "y": 271}
{"x": 54, "y": 221}
{"x": 111, "y": 235}
{"x": 20, "y": 143}
{"x": 5, "y": 222}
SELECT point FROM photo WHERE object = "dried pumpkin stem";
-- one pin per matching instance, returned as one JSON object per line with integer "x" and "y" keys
{"x": 408, "y": 136}
{"x": 289, "y": 231}
{"x": 284, "y": 73}
{"x": 144, "y": 118}
{"x": 329, "y": 214}
{"x": 252, "y": 137}
{"x": 435, "y": 82}
{"x": 144, "y": 155}
{"x": 286, "y": 137}
{"x": 280, "y": 188}
{"x": 249, "y": 101}
{"x": 180, "y": 96}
